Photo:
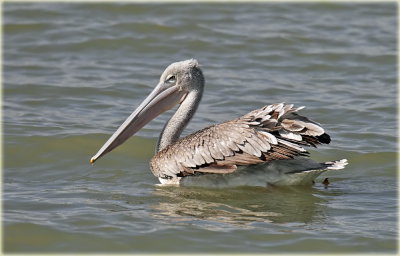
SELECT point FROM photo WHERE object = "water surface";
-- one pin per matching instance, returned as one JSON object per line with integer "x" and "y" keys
{"x": 72, "y": 72}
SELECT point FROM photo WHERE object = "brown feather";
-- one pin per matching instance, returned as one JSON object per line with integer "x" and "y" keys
{"x": 251, "y": 139}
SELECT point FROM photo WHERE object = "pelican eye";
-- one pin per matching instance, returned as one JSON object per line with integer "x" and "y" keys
{"x": 171, "y": 79}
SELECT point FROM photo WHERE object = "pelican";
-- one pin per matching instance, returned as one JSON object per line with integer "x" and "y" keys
{"x": 263, "y": 147}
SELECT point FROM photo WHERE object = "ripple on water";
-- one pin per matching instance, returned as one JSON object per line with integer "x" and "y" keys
{"x": 74, "y": 71}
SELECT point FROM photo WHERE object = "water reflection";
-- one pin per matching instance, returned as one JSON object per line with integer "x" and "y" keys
{"x": 242, "y": 207}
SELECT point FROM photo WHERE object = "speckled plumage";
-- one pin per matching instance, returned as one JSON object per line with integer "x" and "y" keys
{"x": 273, "y": 132}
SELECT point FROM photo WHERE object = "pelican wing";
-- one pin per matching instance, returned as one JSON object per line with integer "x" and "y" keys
{"x": 271, "y": 133}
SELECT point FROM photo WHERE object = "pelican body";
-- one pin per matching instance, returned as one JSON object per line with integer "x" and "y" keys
{"x": 265, "y": 146}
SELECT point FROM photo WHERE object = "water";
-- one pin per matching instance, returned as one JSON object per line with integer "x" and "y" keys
{"x": 72, "y": 72}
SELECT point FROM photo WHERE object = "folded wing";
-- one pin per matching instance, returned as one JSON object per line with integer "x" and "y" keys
{"x": 270, "y": 133}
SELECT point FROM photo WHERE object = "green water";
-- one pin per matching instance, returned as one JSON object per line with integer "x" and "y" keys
{"x": 72, "y": 72}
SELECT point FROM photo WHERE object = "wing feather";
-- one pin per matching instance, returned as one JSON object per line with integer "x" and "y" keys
{"x": 273, "y": 132}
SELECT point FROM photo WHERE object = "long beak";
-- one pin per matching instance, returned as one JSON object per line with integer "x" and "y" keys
{"x": 161, "y": 99}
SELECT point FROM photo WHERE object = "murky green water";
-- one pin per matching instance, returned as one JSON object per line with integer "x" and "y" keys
{"x": 73, "y": 72}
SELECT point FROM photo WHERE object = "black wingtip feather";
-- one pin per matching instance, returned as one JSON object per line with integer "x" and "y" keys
{"x": 324, "y": 138}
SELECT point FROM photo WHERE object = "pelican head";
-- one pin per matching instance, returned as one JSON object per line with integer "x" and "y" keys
{"x": 177, "y": 81}
{"x": 185, "y": 75}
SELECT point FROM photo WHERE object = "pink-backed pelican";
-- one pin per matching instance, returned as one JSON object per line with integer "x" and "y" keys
{"x": 262, "y": 147}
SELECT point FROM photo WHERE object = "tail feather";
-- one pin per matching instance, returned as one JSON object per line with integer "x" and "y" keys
{"x": 336, "y": 165}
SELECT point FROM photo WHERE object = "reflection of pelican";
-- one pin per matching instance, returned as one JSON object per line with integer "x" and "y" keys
{"x": 267, "y": 142}
{"x": 246, "y": 206}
